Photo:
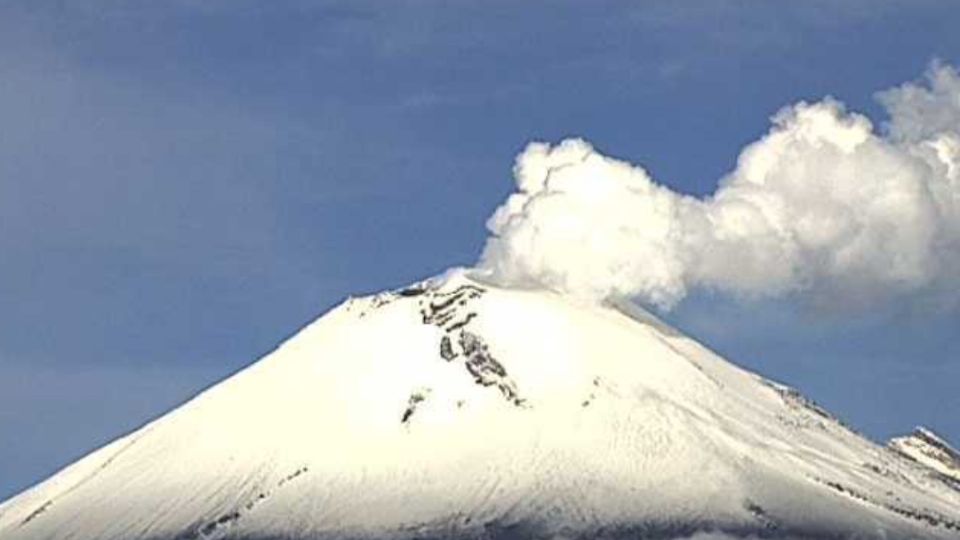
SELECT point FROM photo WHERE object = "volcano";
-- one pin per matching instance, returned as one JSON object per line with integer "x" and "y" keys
{"x": 457, "y": 409}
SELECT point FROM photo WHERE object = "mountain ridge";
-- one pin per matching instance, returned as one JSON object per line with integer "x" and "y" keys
{"x": 454, "y": 408}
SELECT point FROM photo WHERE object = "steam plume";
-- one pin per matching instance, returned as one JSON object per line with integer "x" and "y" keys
{"x": 824, "y": 206}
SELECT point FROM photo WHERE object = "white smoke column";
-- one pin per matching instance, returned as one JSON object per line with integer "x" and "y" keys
{"x": 823, "y": 206}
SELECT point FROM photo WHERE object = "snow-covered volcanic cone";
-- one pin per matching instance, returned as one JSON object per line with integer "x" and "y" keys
{"x": 454, "y": 409}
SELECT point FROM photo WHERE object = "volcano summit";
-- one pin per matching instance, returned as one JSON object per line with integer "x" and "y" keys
{"x": 457, "y": 409}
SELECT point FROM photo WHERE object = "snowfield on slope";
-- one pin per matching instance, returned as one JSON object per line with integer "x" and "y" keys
{"x": 455, "y": 409}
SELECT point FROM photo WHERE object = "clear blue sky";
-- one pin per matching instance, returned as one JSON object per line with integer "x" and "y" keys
{"x": 184, "y": 184}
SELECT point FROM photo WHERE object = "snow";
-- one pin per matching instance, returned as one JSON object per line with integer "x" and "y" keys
{"x": 457, "y": 409}
{"x": 929, "y": 450}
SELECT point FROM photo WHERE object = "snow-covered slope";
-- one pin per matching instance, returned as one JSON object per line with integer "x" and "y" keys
{"x": 925, "y": 447}
{"x": 457, "y": 409}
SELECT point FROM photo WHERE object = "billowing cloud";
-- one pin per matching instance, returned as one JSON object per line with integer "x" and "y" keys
{"x": 824, "y": 206}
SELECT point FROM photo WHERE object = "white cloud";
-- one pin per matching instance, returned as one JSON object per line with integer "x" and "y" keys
{"x": 824, "y": 206}
{"x": 919, "y": 112}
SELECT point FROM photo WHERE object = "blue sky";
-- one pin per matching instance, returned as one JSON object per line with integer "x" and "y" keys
{"x": 182, "y": 185}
